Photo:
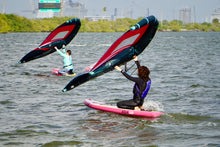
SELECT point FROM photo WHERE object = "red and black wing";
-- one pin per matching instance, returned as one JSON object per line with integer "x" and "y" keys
{"x": 63, "y": 34}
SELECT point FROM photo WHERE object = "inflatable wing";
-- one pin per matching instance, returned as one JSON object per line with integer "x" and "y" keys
{"x": 63, "y": 34}
{"x": 131, "y": 43}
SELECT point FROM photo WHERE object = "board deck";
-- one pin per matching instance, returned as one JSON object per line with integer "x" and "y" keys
{"x": 114, "y": 109}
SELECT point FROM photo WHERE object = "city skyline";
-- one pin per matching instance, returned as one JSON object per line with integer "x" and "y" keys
{"x": 163, "y": 10}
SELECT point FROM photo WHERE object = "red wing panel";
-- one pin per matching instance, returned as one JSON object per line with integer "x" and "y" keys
{"x": 59, "y": 34}
{"x": 128, "y": 39}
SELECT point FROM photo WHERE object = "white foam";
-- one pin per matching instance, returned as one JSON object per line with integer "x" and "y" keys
{"x": 153, "y": 106}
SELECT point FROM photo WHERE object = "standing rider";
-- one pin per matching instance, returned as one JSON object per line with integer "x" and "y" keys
{"x": 67, "y": 61}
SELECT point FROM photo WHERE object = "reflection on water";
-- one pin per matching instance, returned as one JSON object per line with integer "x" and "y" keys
{"x": 119, "y": 130}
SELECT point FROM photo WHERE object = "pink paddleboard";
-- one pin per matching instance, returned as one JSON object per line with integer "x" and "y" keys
{"x": 55, "y": 71}
{"x": 114, "y": 109}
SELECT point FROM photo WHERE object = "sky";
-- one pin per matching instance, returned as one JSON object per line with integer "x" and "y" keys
{"x": 162, "y": 9}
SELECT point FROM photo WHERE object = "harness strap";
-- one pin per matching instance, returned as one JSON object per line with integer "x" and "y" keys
{"x": 144, "y": 94}
{"x": 67, "y": 66}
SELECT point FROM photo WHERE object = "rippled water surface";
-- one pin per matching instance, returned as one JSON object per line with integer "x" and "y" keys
{"x": 185, "y": 73}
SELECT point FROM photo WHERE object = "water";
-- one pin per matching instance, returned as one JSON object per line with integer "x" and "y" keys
{"x": 185, "y": 73}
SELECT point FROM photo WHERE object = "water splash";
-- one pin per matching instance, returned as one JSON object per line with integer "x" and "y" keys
{"x": 153, "y": 106}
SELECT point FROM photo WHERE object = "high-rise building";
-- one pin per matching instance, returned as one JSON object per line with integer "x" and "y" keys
{"x": 74, "y": 9}
{"x": 185, "y": 15}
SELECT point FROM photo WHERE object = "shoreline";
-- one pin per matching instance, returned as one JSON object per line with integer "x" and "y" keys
{"x": 182, "y": 30}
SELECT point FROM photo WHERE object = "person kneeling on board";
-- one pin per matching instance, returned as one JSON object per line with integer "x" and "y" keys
{"x": 67, "y": 61}
{"x": 140, "y": 89}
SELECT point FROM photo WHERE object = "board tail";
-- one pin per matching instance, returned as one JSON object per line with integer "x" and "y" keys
{"x": 78, "y": 80}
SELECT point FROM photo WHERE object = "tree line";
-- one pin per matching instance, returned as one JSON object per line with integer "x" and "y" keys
{"x": 15, "y": 23}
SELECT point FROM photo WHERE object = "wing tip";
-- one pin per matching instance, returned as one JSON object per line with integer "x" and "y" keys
{"x": 64, "y": 90}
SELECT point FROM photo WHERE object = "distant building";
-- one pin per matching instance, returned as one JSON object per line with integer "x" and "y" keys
{"x": 45, "y": 14}
{"x": 216, "y": 14}
{"x": 185, "y": 15}
{"x": 97, "y": 18}
{"x": 68, "y": 8}
{"x": 101, "y": 17}
{"x": 74, "y": 9}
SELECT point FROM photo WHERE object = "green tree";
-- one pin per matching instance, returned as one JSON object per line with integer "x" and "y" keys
{"x": 215, "y": 25}
{"x": 14, "y": 23}
{"x": 104, "y": 9}
{"x": 163, "y": 26}
{"x": 215, "y": 21}
{"x": 18, "y": 24}
{"x": 4, "y": 27}
{"x": 175, "y": 25}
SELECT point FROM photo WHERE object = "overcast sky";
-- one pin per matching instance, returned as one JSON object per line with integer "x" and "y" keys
{"x": 162, "y": 9}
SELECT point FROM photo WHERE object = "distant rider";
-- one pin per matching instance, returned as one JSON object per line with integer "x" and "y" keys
{"x": 67, "y": 61}
{"x": 140, "y": 89}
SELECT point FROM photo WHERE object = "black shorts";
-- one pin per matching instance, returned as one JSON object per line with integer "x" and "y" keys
{"x": 127, "y": 104}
